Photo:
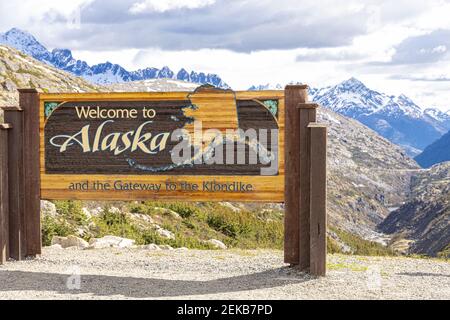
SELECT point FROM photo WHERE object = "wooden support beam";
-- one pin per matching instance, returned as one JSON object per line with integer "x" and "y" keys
{"x": 293, "y": 95}
{"x": 17, "y": 241}
{"x": 4, "y": 210}
{"x": 29, "y": 102}
{"x": 318, "y": 201}
{"x": 306, "y": 116}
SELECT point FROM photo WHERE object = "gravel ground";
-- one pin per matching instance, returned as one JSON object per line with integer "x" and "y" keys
{"x": 231, "y": 274}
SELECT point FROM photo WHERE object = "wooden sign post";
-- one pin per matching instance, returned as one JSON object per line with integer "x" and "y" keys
{"x": 206, "y": 145}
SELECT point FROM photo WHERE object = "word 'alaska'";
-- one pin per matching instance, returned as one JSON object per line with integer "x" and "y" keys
{"x": 116, "y": 142}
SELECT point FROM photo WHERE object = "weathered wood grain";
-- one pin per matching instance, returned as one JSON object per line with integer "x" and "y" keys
{"x": 29, "y": 102}
{"x": 318, "y": 210}
{"x": 17, "y": 241}
{"x": 4, "y": 210}
{"x": 294, "y": 95}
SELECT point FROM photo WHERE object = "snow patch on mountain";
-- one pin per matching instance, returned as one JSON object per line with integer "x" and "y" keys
{"x": 103, "y": 73}
{"x": 396, "y": 118}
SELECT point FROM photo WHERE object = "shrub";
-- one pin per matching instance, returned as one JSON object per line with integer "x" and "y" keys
{"x": 184, "y": 209}
{"x": 361, "y": 246}
{"x": 54, "y": 227}
{"x": 72, "y": 211}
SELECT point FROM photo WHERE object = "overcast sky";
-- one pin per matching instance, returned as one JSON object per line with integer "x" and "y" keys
{"x": 399, "y": 46}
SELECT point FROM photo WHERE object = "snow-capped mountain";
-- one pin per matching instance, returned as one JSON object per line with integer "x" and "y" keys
{"x": 396, "y": 118}
{"x": 267, "y": 86}
{"x": 26, "y": 43}
{"x": 103, "y": 73}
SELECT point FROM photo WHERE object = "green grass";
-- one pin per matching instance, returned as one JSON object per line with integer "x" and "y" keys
{"x": 194, "y": 224}
{"x": 55, "y": 227}
{"x": 358, "y": 245}
{"x": 70, "y": 217}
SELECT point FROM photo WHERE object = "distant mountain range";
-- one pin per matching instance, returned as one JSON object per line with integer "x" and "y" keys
{"x": 103, "y": 73}
{"x": 398, "y": 119}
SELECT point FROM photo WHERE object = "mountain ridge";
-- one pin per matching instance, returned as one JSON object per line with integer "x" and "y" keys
{"x": 437, "y": 152}
{"x": 102, "y": 73}
{"x": 397, "y": 118}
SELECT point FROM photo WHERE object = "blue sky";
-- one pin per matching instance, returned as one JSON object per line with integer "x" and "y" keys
{"x": 393, "y": 46}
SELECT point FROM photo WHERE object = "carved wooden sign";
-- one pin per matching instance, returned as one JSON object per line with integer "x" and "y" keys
{"x": 208, "y": 144}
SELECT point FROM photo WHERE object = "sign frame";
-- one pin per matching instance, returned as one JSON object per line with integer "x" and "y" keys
{"x": 265, "y": 188}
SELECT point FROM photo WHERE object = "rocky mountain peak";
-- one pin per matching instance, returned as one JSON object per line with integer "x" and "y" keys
{"x": 26, "y": 43}
{"x": 103, "y": 73}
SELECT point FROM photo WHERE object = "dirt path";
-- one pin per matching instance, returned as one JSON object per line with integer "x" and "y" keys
{"x": 192, "y": 274}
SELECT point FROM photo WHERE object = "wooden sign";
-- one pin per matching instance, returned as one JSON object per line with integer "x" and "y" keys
{"x": 205, "y": 145}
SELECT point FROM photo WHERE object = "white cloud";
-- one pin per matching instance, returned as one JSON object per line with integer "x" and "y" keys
{"x": 394, "y": 46}
{"x": 167, "y": 5}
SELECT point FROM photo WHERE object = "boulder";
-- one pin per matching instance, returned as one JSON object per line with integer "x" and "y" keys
{"x": 168, "y": 212}
{"x": 164, "y": 233}
{"x": 217, "y": 244}
{"x": 110, "y": 242}
{"x": 48, "y": 209}
{"x": 230, "y": 206}
{"x": 69, "y": 241}
{"x": 95, "y": 212}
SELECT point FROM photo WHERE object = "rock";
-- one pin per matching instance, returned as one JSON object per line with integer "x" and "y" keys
{"x": 92, "y": 212}
{"x": 165, "y": 233}
{"x": 217, "y": 244}
{"x": 168, "y": 212}
{"x": 151, "y": 246}
{"x": 230, "y": 206}
{"x": 182, "y": 249}
{"x": 111, "y": 242}
{"x": 48, "y": 209}
{"x": 139, "y": 217}
{"x": 69, "y": 241}
{"x": 165, "y": 247}
{"x": 81, "y": 232}
{"x": 87, "y": 213}
{"x": 115, "y": 210}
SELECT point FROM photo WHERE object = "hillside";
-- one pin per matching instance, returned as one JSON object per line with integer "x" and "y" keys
{"x": 425, "y": 217}
{"x": 367, "y": 175}
{"x": 438, "y": 151}
{"x": 18, "y": 70}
